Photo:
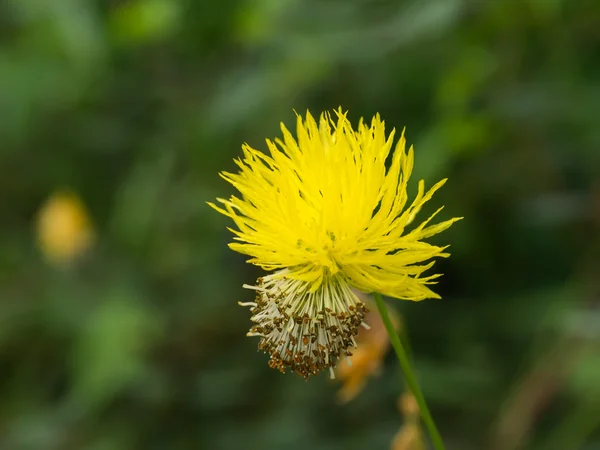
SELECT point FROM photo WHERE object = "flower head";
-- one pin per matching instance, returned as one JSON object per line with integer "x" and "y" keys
{"x": 63, "y": 228}
{"x": 410, "y": 436}
{"x": 327, "y": 211}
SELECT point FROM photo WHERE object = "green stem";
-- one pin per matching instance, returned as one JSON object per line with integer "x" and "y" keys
{"x": 409, "y": 375}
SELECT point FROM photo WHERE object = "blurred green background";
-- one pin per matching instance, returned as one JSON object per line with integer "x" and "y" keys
{"x": 131, "y": 338}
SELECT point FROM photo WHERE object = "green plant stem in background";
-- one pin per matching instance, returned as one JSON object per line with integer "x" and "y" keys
{"x": 409, "y": 375}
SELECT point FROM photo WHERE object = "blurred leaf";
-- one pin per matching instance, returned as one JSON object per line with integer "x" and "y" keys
{"x": 584, "y": 380}
{"x": 138, "y": 21}
{"x": 257, "y": 20}
{"x": 109, "y": 354}
{"x": 575, "y": 430}
{"x": 139, "y": 201}
{"x": 465, "y": 77}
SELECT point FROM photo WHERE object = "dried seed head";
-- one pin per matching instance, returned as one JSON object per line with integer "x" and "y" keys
{"x": 305, "y": 331}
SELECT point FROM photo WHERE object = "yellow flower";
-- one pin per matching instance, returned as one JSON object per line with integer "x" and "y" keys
{"x": 327, "y": 211}
{"x": 410, "y": 436}
{"x": 373, "y": 345}
{"x": 63, "y": 228}
{"x": 408, "y": 406}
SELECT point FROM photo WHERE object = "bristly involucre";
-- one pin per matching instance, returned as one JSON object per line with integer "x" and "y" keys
{"x": 328, "y": 211}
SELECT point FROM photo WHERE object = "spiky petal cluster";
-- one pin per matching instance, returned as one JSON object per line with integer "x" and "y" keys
{"x": 328, "y": 210}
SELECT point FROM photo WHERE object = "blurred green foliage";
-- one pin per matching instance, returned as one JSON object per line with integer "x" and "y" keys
{"x": 137, "y": 104}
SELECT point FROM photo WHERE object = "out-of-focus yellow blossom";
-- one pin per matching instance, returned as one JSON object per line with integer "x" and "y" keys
{"x": 327, "y": 212}
{"x": 373, "y": 345}
{"x": 64, "y": 229}
{"x": 408, "y": 406}
{"x": 410, "y": 436}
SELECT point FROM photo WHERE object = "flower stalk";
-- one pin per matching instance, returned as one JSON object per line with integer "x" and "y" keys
{"x": 409, "y": 375}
